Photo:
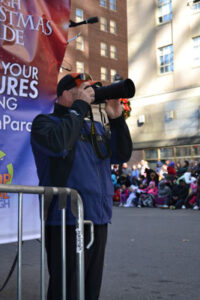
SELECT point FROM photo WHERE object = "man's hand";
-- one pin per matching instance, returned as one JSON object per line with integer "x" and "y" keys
{"x": 113, "y": 108}
{"x": 85, "y": 92}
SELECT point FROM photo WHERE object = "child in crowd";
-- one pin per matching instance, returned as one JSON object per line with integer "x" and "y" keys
{"x": 164, "y": 195}
{"x": 179, "y": 195}
{"x": 114, "y": 181}
{"x": 124, "y": 193}
{"x": 191, "y": 198}
{"x": 151, "y": 175}
{"x": 171, "y": 168}
{"x": 196, "y": 203}
{"x": 183, "y": 168}
{"x": 130, "y": 202}
{"x": 148, "y": 195}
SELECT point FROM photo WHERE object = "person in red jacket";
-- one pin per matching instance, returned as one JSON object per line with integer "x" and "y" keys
{"x": 171, "y": 168}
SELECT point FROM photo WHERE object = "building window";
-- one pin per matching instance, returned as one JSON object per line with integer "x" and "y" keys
{"x": 183, "y": 151}
{"x": 166, "y": 59}
{"x": 151, "y": 153}
{"x": 112, "y": 75}
{"x": 196, "y": 49}
{"x": 164, "y": 11}
{"x": 104, "y": 49}
{"x": 196, "y": 4}
{"x": 103, "y": 24}
{"x": 79, "y": 15}
{"x": 113, "y": 52}
{"x": 113, "y": 27}
{"x": 104, "y": 74}
{"x": 103, "y": 3}
{"x": 80, "y": 67}
{"x": 80, "y": 43}
{"x": 113, "y": 5}
{"x": 166, "y": 153}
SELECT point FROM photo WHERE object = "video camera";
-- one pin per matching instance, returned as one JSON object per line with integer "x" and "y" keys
{"x": 119, "y": 89}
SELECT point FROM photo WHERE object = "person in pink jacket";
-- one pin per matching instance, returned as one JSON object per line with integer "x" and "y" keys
{"x": 148, "y": 195}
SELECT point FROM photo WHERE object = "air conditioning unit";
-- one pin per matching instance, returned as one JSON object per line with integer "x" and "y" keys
{"x": 141, "y": 119}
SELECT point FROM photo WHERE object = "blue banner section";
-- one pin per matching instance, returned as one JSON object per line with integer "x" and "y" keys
{"x": 33, "y": 40}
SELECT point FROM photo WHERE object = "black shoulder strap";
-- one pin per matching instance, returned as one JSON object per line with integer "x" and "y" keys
{"x": 95, "y": 143}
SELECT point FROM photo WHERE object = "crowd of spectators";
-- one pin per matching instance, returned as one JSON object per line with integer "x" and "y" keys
{"x": 169, "y": 185}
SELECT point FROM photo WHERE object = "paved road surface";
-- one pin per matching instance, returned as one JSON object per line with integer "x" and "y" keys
{"x": 151, "y": 254}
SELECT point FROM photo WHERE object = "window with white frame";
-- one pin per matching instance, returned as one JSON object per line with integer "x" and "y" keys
{"x": 112, "y": 74}
{"x": 113, "y": 5}
{"x": 113, "y": 27}
{"x": 103, "y": 24}
{"x": 80, "y": 67}
{"x": 164, "y": 11}
{"x": 196, "y": 50}
{"x": 79, "y": 15}
{"x": 103, "y": 3}
{"x": 80, "y": 43}
{"x": 104, "y": 74}
{"x": 113, "y": 52}
{"x": 196, "y": 4}
{"x": 166, "y": 59}
{"x": 104, "y": 49}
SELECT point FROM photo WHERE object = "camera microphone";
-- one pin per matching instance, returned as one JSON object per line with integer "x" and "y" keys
{"x": 91, "y": 20}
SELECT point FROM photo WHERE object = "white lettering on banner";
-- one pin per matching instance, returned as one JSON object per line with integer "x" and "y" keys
{"x": 7, "y": 123}
{"x": 18, "y": 70}
{"x": 8, "y": 103}
{"x": 10, "y": 35}
{"x": 16, "y": 22}
{"x": 22, "y": 87}
{"x": 18, "y": 87}
{"x": 12, "y": 3}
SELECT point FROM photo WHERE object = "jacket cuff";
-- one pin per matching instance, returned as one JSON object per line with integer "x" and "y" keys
{"x": 81, "y": 107}
{"x": 118, "y": 121}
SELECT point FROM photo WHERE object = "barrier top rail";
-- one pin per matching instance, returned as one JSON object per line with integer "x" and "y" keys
{"x": 29, "y": 189}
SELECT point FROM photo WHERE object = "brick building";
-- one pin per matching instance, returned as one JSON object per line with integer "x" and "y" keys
{"x": 101, "y": 49}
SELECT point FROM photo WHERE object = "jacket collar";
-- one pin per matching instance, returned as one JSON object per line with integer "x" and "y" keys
{"x": 60, "y": 110}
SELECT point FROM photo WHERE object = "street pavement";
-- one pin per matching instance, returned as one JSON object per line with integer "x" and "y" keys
{"x": 151, "y": 254}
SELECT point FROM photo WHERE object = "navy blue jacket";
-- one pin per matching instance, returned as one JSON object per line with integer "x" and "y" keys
{"x": 58, "y": 141}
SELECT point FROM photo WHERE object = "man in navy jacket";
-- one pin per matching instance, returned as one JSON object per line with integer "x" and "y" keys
{"x": 65, "y": 156}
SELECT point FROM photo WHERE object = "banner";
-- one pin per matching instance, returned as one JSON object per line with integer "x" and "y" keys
{"x": 33, "y": 40}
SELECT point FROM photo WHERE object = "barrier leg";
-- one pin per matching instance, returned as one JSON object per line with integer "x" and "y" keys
{"x": 42, "y": 250}
{"x": 63, "y": 254}
{"x": 19, "y": 262}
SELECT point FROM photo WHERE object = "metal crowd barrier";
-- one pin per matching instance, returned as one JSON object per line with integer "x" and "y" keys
{"x": 77, "y": 209}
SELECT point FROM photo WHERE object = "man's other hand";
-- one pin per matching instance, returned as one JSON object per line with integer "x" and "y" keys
{"x": 113, "y": 108}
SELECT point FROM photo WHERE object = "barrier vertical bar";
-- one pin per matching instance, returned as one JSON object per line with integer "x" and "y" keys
{"x": 42, "y": 250}
{"x": 19, "y": 262}
{"x": 80, "y": 251}
{"x": 63, "y": 254}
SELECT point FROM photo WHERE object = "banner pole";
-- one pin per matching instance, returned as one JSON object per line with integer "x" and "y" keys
{"x": 63, "y": 254}
{"x": 19, "y": 264}
{"x": 42, "y": 255}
